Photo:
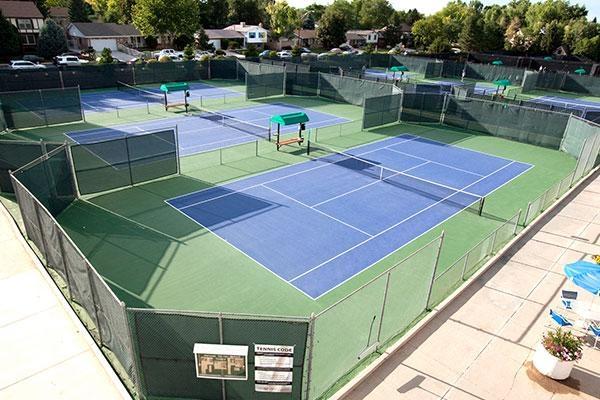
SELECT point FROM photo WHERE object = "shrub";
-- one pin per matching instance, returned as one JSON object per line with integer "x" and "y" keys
{"x": 189, "y": 52}
{"x": 164, "y": 59}
{"x": 273, "y": 54}
{"x": 106, "y": 56}
{"x": 563, "y": 345}
{"x": 296, "y": 51}
{"x": 251, "y": 51}
{"x": 151, "y": 42}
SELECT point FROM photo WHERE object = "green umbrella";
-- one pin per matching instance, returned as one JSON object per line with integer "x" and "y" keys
{"x": 502, "y": 82}
{"x": 497, "y": 62}
{"x": 399, "y": 68}
{"x": 580, "y": 71}
{"x": 547, "y": 58}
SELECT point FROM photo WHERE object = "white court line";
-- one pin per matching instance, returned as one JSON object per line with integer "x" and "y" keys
{"x": 259, "y": 184}
{"x": 397, "y": 224}
{"x": 367, "y": 185}
{"x": 433, "y": 162}
{"x": 318, "y": 211}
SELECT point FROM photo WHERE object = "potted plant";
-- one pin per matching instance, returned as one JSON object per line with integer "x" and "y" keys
{"x": 556, "y": 354}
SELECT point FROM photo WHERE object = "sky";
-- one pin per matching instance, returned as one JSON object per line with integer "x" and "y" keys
{"x": 431, "y": 6}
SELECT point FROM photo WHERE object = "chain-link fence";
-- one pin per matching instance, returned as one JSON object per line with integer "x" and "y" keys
{"x": 382, "y": 110}
{"x": 43, "y": 107}
{"x": 16, "y": 153}
{"x": 351, "y": 90}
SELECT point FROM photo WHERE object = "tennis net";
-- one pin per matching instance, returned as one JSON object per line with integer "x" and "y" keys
{"x": 433, "y": 192}
{"x": 146, "y": 94}
{"x": 232, "y": 122}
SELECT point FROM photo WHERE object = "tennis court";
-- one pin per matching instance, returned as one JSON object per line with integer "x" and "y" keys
{"x": 317, "y": 224}
{"x": 207, "y": 130}
{"x": 136, "y": 96}
{"x": 575, "y": 104}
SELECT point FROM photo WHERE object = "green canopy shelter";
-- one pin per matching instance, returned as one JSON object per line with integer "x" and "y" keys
{"x": 399, "y": 68}
{"x": 298, "y": 118}
{"x": 580, "y": 71}
{"x": 173, "y": 87}
{"x": 548, "y": 58}
{"x": 497, "y": 62}
{"x": 501, "y": 83}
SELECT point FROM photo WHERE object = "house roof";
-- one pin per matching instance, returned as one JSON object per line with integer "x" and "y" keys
{"x": 59, "y": 12}
{"x": 223, "y": 34}
{"x": 242, "y": 27}
{"x": 19, "y": 9}
{"x": 306, "y": 33}
{"x": 110, "y": 30}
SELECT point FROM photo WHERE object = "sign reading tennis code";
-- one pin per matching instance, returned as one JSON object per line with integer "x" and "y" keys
{"x": 273, "y": 366}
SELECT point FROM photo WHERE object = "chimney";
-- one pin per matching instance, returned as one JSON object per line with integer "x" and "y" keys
{"x": 260, "y": 24}
{"x": 242, "y": 24}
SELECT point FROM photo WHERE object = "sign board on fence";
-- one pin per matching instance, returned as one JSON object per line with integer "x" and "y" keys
{"x": 220, "y": 361}
{"x": 273, "y": 366}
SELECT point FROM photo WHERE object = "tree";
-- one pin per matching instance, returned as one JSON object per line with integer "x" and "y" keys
{"x": 106, "y": 56}
{"x": 283, "y": 19}
{"x": 119, "y": 11}
{"x": 9, "y": 36}
{"x": 308, "y": 21}
{"x": 43, "y": 7}
{"x": 157, "y": 17}
{"x": 347, "y": 11}
{"x": 202, "y": 40}
{"x": 78, "y": 11}
{"x": 375, "y": 14}
{"x": 213, "y": 13}
{"x": 52, "y": 40}
{"x": 248, "y": 11}
{"x": 332, "y": 28}
{"x": 312, "y": 15}
{"x": 392, "y": 35}
{"x": 471, "y": 34}
{"x": 251, "y": 51}
{"x": 189, "y": 53}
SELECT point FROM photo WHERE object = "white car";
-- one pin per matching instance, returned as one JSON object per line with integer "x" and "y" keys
{"x": 201, "y": 54}
{"x": 166, "y": 52}
{"x": 284, "y": 54}
{"x": 22, "y": 64}
{"x": 70, "y": 60}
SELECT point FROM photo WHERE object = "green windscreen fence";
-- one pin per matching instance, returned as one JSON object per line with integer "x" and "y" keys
{"x": 578, "y": 131}
{"x": 585, "y": 84}
{"x": 434, "y": 70}
{"x": 534, "y": 126}
{"x": 168, "y": 72}
{"x": 422, "y": 107}
{"x": 381, "y": 110}
{"x": 126, "y": 161}
{"x": 3, "y": 125}
{"x": 44, "y": 107}
{"x": 301, "y": 84}
{"x": 14, "y": 80}
{"x": 529, "y": 81}
{"x": 97, "y": 76}
{"x": 265, "y": 85}
{"x": 49, "y": 178}
{"x": 550, "y": 80}
{"x": 14, "y": 154}
{"x": 165, "y": 346}
{"x": 350, "y": 90}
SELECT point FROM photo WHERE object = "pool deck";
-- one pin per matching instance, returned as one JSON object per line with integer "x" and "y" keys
{"x": 46, "y": 351}
{"x": 480, "y": 345}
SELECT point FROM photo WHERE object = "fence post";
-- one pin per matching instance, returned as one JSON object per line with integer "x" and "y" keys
{"x": 309, "y": 356}
{"x": 72, "y": 166}
{"x": 444, "y": 108}
{"x": 65, "y": 265}
{"x": 80, "y": 104}
{"x": 43, "y": 107}
{"x": 464, "y": 269}
{"x": 517, "y": 222}
{"x": 385, "y": 294}
{"x": 220, "y": 318}
{"x": 527, "y": 214}
{"x": 435, "y": 266}
{"x": 209, "y": 74}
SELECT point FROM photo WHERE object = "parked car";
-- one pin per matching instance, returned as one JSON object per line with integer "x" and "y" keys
{"x": 69, "y": 60}
{"x": 336, "y": 50}
{"x": 33, "y": 58}
{"x": 304, "y": 50}
{"x": 201, "y": 54}
{"x": 23, "y": 64}
{"x": 309, "y": 56}
{"x": 165, "y": 52}
{"x": 284, "y": 54}
{"x": 264, "y": 53}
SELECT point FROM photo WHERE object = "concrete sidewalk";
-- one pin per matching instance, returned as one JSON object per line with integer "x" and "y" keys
{"x": 481, "y": 345}
{"x": 45, "y": 351}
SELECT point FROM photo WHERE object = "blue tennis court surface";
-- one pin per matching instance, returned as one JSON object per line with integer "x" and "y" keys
{"x": 317, "y": 224}
{"x": 205, "y": 131}
{"x": 575, "y": 104}
{"x": 108, "y": 100}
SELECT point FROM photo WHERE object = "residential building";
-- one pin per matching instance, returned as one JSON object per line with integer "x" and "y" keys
{"x": 60, "y": 15}
{"x": 359, "y": 38}
{"x": 28, "y": 20}
{"x": 253, "y": 34}
{"x": 83, "y": 35}
{"x": 219, "y": 38}
{"x": 306, "y": 38}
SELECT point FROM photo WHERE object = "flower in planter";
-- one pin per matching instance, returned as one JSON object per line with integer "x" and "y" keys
{"x": 563, "y": 345}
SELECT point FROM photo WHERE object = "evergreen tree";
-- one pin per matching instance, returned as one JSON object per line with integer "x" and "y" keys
{"x": 52, "y": 40}
{"x": 189, "y": 52}
{"x": 78, "y": 11}
{"x": 43, "y": 7}
{"x": 471, "y": 33}
{"x": 9, "y": 37}
{"x": 332, "y": 28}
{"x": 202, "y": 40}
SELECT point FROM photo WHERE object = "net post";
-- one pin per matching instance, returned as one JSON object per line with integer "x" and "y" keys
{"x": 481, "y": 203}
{"x": 177, "y": 155}
{"x": 147, "y": 106}
{"x": 117, "y": 108}
{"x": 435, "y": 266}
{"x": 256, "y": 148}
{"x": 128, "y": 160}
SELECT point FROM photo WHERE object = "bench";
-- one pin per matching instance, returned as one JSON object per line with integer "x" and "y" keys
{"x": 289, "y": 141}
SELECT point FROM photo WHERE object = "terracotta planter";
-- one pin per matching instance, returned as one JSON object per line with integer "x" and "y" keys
{"x": 551, "y": 366}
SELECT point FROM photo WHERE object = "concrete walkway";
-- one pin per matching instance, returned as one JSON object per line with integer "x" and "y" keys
{"x": 45, "y": 352}
{"x": 481, "y": 345}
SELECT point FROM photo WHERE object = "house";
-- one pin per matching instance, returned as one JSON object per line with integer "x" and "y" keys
{"x": 219, "y": 38}
{"x": 28, "y": 20}
{"x": 60, "y": 15}
{"x": 83, "y": 35}
{"x": 359, "y": 38}
{"x": 306, "y": 38}
{"x": 405, "y": 36}
{"x": 253, "y": 34}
